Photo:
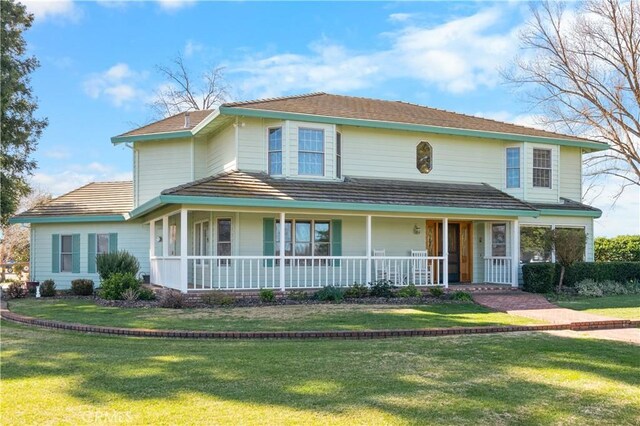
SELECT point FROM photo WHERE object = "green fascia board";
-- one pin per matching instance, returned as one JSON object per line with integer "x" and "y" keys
{"x": 246, "y": 112}
{"x": 292, "y": 204}
{"x": 68, "y": 219}
{"x": 146, "y": 207}
{"x": 151, "y": 136}
{"x": 574, "y": 213}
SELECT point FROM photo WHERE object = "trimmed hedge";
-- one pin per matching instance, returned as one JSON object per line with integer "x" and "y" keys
{"x": 543, "y": 277}
{"x": 623, "y": 248}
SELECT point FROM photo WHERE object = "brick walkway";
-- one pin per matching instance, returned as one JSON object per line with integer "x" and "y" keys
{"x": 515, "y": 300}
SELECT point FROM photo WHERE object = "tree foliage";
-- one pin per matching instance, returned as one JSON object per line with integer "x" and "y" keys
{"x": 185, "y": 91}
{"x": 581, "y": 69}
{"x": 623, "y": 248}
{"x": 569, "y": 246}
{"x": 20, "y": 128}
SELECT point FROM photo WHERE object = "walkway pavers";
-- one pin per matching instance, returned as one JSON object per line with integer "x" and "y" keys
{"x": 514, "y": 300}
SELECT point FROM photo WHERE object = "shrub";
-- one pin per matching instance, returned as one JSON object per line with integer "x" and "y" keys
{"x": 623, "y": 248}
{"x": 114, "y": 287}
{"x": 48, "y": 288}
{"x": 539, "y": 277}
{"x": 145, "y": 293}
{"x": 568, "y": 245}
{"x": 218, "y": 298}
{"x": 409, "y": 291}
{"x": 462, "y": 296}
{"x": 82, "y": 287}
{"x": 602, "y": 271}
{"x": 130, "y": 294}
{"x": 592, "y": 288}
{"x": 382, "y": 288}
{"x": 172, "y": 299}
{"x": 16, "y": 291}
{"x": 330, "y": 294}
{"x": 267, "y": 295}
{"x": 589, "y": 288}
{"x": 297, "y": 295}
{"x": 356, "y": 291}
{"x": 121, "y": 262}
{"x": 436, "y": 291}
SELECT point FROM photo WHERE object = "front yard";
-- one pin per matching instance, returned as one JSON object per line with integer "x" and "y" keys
{"x": 269, "y": 318}
{"x": 52, "y": 377}
{"x": 623, "y": 307}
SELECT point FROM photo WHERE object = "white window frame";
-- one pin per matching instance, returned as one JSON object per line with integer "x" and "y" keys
{"x": 269, "y": 151}
{"x": 507, "y": 168}
{"x": 323, "y": 152}
{"x": 217, "y": 238}
{"x": 293, "y": 236}
{"x": 339, "y": 155}
{"x": 534, "y": 168}
{"x": 506, "y": 238}
{"x": 66, "y": 253}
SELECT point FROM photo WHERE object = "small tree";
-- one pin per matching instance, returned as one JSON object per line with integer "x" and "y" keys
{"x": 569, "y": 245}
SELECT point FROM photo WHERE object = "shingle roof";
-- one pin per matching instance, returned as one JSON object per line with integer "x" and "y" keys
{"x": 566, "y": 204}
{"x": 329, "y": 105}
{"x": 171, "y": 124}
{"x": 93, "y": 199}
{"x": 352, "y": 190}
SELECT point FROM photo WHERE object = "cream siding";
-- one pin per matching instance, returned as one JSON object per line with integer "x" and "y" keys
{"x": 200, "y": 154}
{"x": 221, "y": 153}
{"x": 162, "y": 165}
{"x": 570, "y": 173}
{"x": 132, "y": 237}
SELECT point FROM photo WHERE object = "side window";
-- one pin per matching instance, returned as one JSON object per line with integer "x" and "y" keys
{"x": 499, "y": 239}
{"x": 275, "y": 151}
{"x": 513, "y": 167}
{"x": 311, "y": 152}
{"x": 224, "y": 237}
{"x": 66, "y": 253}
{"x": 542, "y": 168}
{"x": 102, "y": 243}
{"x": 424, "y": 157}
{"x": 338, "y": 155}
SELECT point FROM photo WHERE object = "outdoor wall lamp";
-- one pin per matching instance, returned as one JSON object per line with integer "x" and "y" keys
{"x": 416, "y": 229}
{"x": 158, "y": 239}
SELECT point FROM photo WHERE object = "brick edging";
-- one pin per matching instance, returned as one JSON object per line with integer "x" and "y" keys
{"x": 336, "y": 334}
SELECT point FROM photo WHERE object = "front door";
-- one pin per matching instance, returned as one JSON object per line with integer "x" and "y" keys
{"x": 460, "y": 248}
{"x": 454, "y": 252}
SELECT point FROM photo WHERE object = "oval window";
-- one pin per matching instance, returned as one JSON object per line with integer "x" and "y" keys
{"x": 424, "y": 157}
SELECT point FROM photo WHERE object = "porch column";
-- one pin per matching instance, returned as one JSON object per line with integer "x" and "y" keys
{"x": 165, "y": 236}
{"x": 369, "y": 250}
{"x": 515, "y": 253}
{"x": 282, "y": 248}
{"x": 445, "y": 252}
{"x": 184, "y": 229}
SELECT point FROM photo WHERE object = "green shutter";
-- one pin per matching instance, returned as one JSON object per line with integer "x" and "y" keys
{"x": 336, "y": 239}
{"x": 91, "y": 254}
{"x": 55, "y": 253}
{"x": 75, "y": 253}
{"x": 113, "y": 242}
{"x": 268, "y": 240}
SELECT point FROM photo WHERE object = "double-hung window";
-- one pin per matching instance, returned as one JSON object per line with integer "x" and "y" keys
{"x": 102, "y": 243}
{"x": 66, "y": 253}
{"x": 310, "y": 152}
{"x": 275, "y": 151}
{"x": 513, "y": 167}
{"x": 304, "y": 238}
{"x": 499, "y": 239}
{"x": 542, "y": 168}
{"x": 223, "y": 247}
{"x": 338, "y": 155}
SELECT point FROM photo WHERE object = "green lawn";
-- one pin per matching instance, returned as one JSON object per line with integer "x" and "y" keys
{"x": 269, "y": 318}
{"x": 56, "y": 377}
{"x": 625, "y": 307}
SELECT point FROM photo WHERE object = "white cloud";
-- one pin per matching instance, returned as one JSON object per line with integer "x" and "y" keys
{"x": 118, "y": 84}
{"x": 528, "y": 120}
{"x": 192, "y": 47}
{"x": 76, "y": 175}
{"x": 173, "y": 5}
{"x": 400, "y": 17}
{"x": 57, "y": 153}
{"x": 56, "y": 9}
{"x": 621, "y": 218}
{"x": 457, "y": 56}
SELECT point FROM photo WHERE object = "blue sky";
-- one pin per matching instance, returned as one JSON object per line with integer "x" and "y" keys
{"x": 98, "y": 74}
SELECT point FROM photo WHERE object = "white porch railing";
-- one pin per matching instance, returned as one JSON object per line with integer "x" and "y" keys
{"x": 255, "y": 272}
{"x": 498, "y": 270}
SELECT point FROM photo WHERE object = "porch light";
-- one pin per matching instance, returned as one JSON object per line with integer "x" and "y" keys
{"x": 416, "y": 229}
{"x": 158, "y": 239}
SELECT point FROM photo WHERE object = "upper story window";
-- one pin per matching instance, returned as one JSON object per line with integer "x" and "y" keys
{"x": 311, "y": 152}
{"x": 275, "y": 151}
{"x": 424, "y": 157}
{"x": 338, "y": 155}
{"x": 542, "y": 168}
{"x": 513, "y": 167}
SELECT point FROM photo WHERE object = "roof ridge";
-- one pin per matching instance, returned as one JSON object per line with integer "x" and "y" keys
{"x": 275, "y": 98}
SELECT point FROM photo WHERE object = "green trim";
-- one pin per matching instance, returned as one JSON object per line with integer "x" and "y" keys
{"x": 146, "y": 207}
{"x": 68, "y": 219}
{"x": 292, "y": 204}
{"x": 152, "y": 136}
{"x": 575, "y": 213}
{"x": 245, "y": 112}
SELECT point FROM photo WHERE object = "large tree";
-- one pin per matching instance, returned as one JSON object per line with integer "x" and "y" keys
{"x": 20, "y": 128}
{"x": 185, "y": 91}
{"x": 581, "y": 66}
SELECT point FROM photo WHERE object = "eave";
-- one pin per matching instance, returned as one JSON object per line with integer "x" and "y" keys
{"x": 68, "y": 219}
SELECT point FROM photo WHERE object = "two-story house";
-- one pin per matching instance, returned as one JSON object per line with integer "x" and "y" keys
{"x": 320, "y": 189}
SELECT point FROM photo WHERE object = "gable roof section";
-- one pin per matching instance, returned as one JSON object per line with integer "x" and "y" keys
{"x": 261, "y": 190}
{"x": 173, "y": 126}
{"x": 396, "y": 114}
{"x": 94, "y": 202}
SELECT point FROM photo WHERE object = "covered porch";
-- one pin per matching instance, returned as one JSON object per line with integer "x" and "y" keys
{"x": 196, "y": 248}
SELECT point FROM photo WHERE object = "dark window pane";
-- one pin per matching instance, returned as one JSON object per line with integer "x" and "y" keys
{"x": 65, "y": 244}
{"x": 321, "y": 249}
{"x": 303, "y": 249}
{"x": 499, "y": 239}
{"x": 224, "y": 230}
{"x": 102, "y": 243}
{"x": 533, "y": 244}
{"x": 66, "y": 263}
{"x": 322, "y": 232}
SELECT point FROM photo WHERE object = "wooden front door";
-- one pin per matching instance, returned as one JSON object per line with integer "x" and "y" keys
{"x": 460, "y": 248}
